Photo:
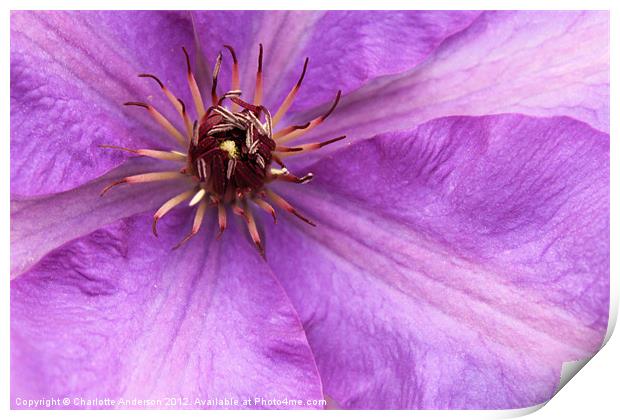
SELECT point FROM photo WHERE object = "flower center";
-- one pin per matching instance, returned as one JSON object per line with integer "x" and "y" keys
{"x": 230, "y": 147}
{"x": 229, "y": 150}
{"x": 232, "y": 152}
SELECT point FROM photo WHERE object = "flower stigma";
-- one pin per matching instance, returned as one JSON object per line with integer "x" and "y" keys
{"x": 230, "y": 153}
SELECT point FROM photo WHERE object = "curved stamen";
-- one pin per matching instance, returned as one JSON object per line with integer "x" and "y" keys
{"x": 193, "y": 87}
{"x": 186, "y": 120}
{"x": 238, "y": 210}
{"x": 195, "y": 133}
{"x": 235, "y": 85}
{"x": 288, "y": 101}
{"x": 265, "y": 206}
{"x": 302, "y": 148}
{"x": 268, "y": 121}
{"x": 216, "y": 72}
{"x": 156, "y": 154}
{"x": 221, "y": 218}
{"x": 147, "y": 177}
{"x": 287, "y": 134}
{"x": 161, "y": 120}
{"x": 290, "y": 129}
{"x": 231, "y": 151}
{"x": 197, "y": 197}
{"x": 279, "y": 175}
{"x": 258, "y": 91}
{"x": 169, "y": 205}
{"x": 243, "y": 104}
{"x": 200, "y": 213}
{"x": 252, "y": 228}
{"x": 285, "y": 205}
{"x": 174, "y": 100}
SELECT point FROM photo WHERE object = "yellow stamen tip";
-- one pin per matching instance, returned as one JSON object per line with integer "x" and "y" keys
{"x": 230, "y": 147}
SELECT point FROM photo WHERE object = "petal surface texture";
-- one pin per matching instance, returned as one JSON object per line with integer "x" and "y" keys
{"x": 536, "y": 63}
{"x": 116, "y": 314}
{"x": 457, "y": 265}
{"x": 43, "y": 223}
{"x": 346, "y": 48}
{"x": 71, "y": 72}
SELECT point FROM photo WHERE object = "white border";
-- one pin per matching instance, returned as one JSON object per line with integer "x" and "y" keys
{"x": 592, "y": 393}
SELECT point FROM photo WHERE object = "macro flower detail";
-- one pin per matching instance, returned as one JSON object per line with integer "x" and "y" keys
{"x": 229, "y": 152}
{"x": 460, "y": 253}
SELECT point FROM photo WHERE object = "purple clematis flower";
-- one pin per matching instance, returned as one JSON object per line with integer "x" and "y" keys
{"x": 461, "y": 247}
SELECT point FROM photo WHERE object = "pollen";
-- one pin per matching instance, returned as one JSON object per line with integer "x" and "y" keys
{"x": 232, "y": 151}
{"x": 230, "y": 147}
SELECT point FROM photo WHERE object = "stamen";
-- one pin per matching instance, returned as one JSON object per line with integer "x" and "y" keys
{"x": 260, "y": 161}
{"x": 288, "y": 101}
{"x": 290, "y": 129}
{"x": 186, "y": 120}
{"x": 238, "y": 101}
{"x": 176, "y": 102}
{"x": 252, "y": 228}
{"x": 249, "y": 135}
{"x": 221, "y": 218}
{"x": 227, "y": 114}
{"x": 277, "y": 159}
{"x": 265, "y": 206}
{"x": 232, "y": 163}
{"x": 285, "y": 205}
{"x": 232, "y": 153}
{"x": 237, "y": 210}
{"x": 277, "y": 172}
{"x": 216, "y": 72}
{"x": 235, "y": 73}
{"x": 221, "y": 128}
{"x": 156, "y": 154}
{"x": 147, "y": 177}
{"x": 197, "y": 197}
{"x": 195, "y": 133}
{"x": 161, "y": 120}
{"x": 268, "y": 121}
{"x": 289, "y": 177}
{"x": 193, "y": 87}
{"x": 202, "y": 169}
{"x": 169, "y": 205}
{"x": 297, "y": 150}
{"x": 200, "y": 213}
{"x": 232, "y": 94}
{"x": 256, "y": 122}
{"x": 258, "y": 91}
{"x": 283, "y": 136}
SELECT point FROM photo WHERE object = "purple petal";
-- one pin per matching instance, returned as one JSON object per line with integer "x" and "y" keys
{"x": 349, "y": 48}
{"x": 117, "y": 314}
{"x": 537, "y": 63}
{"x": 41, "y": 224}
{"x": 456, "y": 265}
{"x": 346, "y": 48}
{"x": 70, "y": 74}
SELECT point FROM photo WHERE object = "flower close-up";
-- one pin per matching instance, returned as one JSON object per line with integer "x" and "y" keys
{"x": 306, "y": 209}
